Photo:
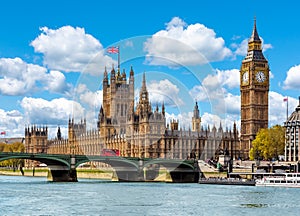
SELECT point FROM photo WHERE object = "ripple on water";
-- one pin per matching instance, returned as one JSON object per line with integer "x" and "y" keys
{"x": 36, "y": 196}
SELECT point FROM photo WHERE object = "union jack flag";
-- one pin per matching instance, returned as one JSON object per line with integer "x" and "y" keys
{"x": 113, "y": 50}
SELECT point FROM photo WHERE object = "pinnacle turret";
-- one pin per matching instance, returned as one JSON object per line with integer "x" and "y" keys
{"x": 254, "y": 36}
{"x": 144, "y": 88}
{"x": 196, "y": 110}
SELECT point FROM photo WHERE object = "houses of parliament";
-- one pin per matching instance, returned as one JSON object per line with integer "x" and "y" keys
{"x": 143, "y": 132}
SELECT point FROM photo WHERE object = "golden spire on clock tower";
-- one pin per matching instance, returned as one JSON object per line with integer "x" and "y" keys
{"x": 254, "y": 87}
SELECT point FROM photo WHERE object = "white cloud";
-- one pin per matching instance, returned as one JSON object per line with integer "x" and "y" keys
{"x": 185, "y": 44}
{"x": 56, "y": 111}
{"x": 12, "y": 123}
{"x": 207, "y": 119}
{"x": 199, "y": 93}
{"x": 18, "y": 78}
{"x": 241, "y": 49}
{"x": 164, "y": 91}
{"x": 233, "y": 103}
{"x": 184, "y": 119}
{"x": 71, "y": 49}
{"x": 223, "y": 78}
{"x": 213, "y": 90}
{"x": 277, "y": 108}
{"x": 211, "y": 120}
{"x": 230, "y": 78}
{"x": 87, "y": 97}
{"x": 56, "y": 82}
{"x": 292, "y": 80}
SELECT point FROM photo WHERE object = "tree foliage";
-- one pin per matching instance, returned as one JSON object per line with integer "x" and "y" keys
{"x": 14, "y": 147}
{"x": 269, "y": 143}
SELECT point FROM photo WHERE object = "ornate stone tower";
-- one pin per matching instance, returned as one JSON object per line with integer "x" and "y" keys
{"x": 145, "y": 126}
{"x": 254, "y": 87}
{"x": 75, "y": 130}
{"x": 196, "y": 120}
{"x": 36, "y": 139}
{"x": 118, "y": 95}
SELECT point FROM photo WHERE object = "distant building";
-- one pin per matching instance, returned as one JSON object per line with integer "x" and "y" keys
{"x": 36, "y": 139}
{"x": 12, "y": 140}
{"x": 139, "y": 131}
{"x": 292, "y": 126}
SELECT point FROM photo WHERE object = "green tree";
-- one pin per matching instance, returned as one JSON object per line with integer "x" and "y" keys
{"x": 269, "y": 143}
{"x": 14, "y": 147}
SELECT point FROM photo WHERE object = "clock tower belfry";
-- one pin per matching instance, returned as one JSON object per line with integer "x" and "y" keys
{"x": 254, "y": 87}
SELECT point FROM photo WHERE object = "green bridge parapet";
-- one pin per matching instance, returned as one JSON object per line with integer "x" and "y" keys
{"x": 62, "y": 168}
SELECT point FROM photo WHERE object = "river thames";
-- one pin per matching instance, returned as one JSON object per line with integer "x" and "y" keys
{"x": 35, "y": 196}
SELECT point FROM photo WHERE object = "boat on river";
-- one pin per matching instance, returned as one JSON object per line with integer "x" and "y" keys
{"x": 227, "y": 181}
{"x": 280, "y": 180}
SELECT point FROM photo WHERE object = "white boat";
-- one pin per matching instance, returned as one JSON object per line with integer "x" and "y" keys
{"x": 280, "y": 180}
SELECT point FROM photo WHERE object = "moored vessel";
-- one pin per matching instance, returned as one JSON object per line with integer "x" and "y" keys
{"x": 227, "y": 181}
{"x": 280, "y": 180}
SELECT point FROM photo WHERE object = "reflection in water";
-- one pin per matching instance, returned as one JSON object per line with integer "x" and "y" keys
{"x": 254, "y": 205}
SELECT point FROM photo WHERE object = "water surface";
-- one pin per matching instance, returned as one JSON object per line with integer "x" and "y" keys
{"x": 35, "y": 196}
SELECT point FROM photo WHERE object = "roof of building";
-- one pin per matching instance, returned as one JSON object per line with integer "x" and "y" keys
{"x": 295, "y": 116}
{"x": 12, "y": 140}
{"x": 254, "y": 36}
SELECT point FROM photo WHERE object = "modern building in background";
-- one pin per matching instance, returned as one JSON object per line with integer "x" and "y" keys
{"x": 254, "y": 87}
{"x": 292, "y": 126}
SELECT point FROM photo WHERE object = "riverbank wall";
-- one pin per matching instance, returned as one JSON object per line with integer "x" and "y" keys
{"x": 43, "y": 172}
{"x": 82, "y": 173}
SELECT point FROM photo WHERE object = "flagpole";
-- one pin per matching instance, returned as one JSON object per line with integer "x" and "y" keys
{"x": 119, "y": 58}
{"x": 287, "y": 108}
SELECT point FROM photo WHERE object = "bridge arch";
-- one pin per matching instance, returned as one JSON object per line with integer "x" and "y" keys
{"x": 170, "y": 163}
{"x": 108, "y": 160}
{"x": 59, "y": 165}
{"x": 125, "y": 169}
{"x": 43, "y": 158}
{"x": 178, "y": 170}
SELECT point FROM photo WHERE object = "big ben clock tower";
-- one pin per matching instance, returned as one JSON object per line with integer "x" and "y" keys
{"x": 254, "y": 86}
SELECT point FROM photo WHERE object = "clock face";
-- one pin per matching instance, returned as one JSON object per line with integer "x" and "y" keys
{"x": 260, "y": 76}
{"x": 245, "y": 77}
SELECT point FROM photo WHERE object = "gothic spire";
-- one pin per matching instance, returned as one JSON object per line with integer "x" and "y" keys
{"x": 144, "y": 83}
{"x": 144, "y": 106}
{"x": 58, "y": 134}
{"x": 254, "y": 36}
{"x": 105, "y": 72}
{"x": 131, "y": 71}
{"x": 105, "y": 77}
{"x": 196, "y": 111}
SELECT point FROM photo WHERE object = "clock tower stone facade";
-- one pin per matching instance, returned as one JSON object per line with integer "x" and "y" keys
{"x": 254, "y": 87}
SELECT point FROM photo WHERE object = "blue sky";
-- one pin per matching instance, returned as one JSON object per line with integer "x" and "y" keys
{"x": 52, "y": 57}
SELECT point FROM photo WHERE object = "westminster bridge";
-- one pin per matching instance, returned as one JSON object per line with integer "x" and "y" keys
{"x": 62, "y": 168}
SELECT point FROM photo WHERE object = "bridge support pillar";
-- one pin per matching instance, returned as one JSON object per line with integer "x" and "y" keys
{"x": 179, "y": 176}
{"x": 130, "y": 174}
{"x": 183, "y": 175}
{"x": 152, "y": 172}
{"x": 61, "y": 174}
